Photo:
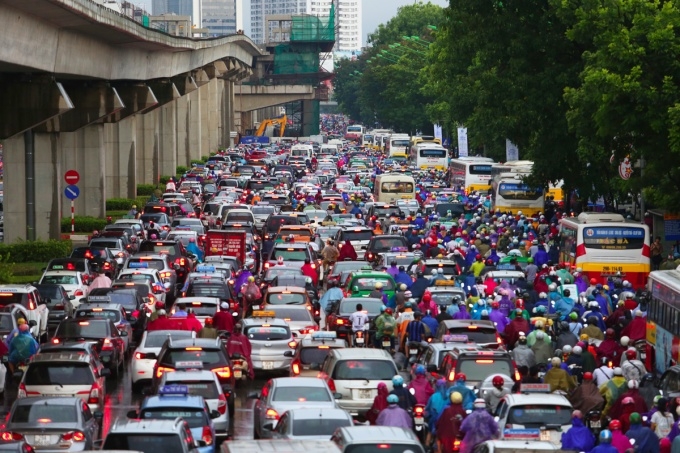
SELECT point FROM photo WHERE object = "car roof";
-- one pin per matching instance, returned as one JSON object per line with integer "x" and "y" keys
{"x": 299, "y": 382}
{"x": 374, "y": 434}
{"x": 291, "y": 289}
{"x": 360, "y": 353}
{"x": 450, "y": 323}
{"x": 55, "y": 400}
{"x": 304, "y": 413}
{"x": 536, "y": 398}
{"x": 145, "y": 426}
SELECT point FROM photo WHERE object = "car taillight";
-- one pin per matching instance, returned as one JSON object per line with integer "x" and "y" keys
{"x": 499, "y": 340}
{"x": 74, "y": 436}
{"x": 140, "y": 355}
{"x": 59, "y": 307}
{"x": 331, "y": 385}
{"x": 271, "y": 414}
{"x": 206, "y": 436}
{"x": 79, "y": 292}
{"x": 266, "y": 265}
{"x": 10, "y": 436}
{"x": 452, "y": 374}
{"x": 222, "y": 404}
{"x": 295, "y": 366}
{"x": 223, "y": 372}
{"x": 309, "y": 329}
{"x": 369, "y": 255}
{"x": 456, "y": 445}
{"x": 92, "y": 394}
{"x": 161, "y": 369}
{"x": 340, "y": 321}
{"x": 107, "y": 345}
{"x": 292, "y": 344}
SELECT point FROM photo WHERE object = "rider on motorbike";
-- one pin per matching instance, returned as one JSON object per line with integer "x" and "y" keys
{"x": 406, "y": 400}
{"x": 22, "y": 347}
{"x": 238, "y": 343}
{"x": 421, "y": 386}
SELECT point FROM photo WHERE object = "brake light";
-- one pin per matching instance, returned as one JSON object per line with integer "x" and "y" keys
{"x": 340, "y": 321}
{"x": 456, "y": 445}
{"x": 223, "y": 372}
{"x": 419, "y": 411}
{"x": 472, "y": 327}
{"x": 308, "y": 329}
{"x": 92, "y": 394}
{"x": 266, "y": 265}
{"x": 222, "y": 404}
{"x": 140, "y": 355}
{"x": 292, "y": 344}
{"x": 161, "y": 369}
{"x": 10, "y": 436}
{"x": 383, "y": 446}
{"x": 517, "y": 376}
{"x": 59, "y": 307}
{"x": 499, "y": 340}
{"x": 206, "y": 436}
{"x": 55, "y": 340}
{"x": 74, "y": 436}
{"x": 79, "y": 292}
{"x": 271, "y": 414}
{"x": 331, "y": 385}
{"x": 296, "y": 368}
{"x": 107, "y": 345}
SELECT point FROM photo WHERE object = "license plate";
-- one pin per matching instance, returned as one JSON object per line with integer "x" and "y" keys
{"x": 267, "y": 365}
{"x": 545, "y": 435}
{"x": 238, "y": 374}
{"x": 413, "y": 351}
{"x": 386, "y": 344}
{"x": 42, "y": 439}
{"x": 595, "y": 424}
{"x": 365, "y": 394}
{"x": 360, "y": 341}
{"x": 419, "y": 420}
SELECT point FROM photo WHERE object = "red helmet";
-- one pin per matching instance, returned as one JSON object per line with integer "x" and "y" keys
{"x": 519, "y": 303}
{"x": 460, "y": 377}
{"x": 614, "y": 425}
{"x": 159, "y": 305}
{"x": 631, "y": 354}
{"x": 498, "y": 380}
{"x": 610, "y": 333}
{"x": 587, "y": 376}
{"x": 593, "y": 281}
{"x": 388, "y": 311}
{"x": 495, "y": 304}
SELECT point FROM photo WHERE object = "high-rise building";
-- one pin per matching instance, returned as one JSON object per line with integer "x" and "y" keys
{"x": 260, "y": 9}
{"x": 348, "y": 22}
{"x": 222, "y": 17}
{"x": 179, "y": 7}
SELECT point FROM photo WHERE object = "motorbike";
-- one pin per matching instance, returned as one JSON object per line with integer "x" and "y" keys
{"x": 641, "y": 347}
{"x": 419, "y": 424}
{"x": 240, "y": 367}
{"x": 594, "y": 422}
{"x": 413, "y": 349}
{"x": 386, "y": 343}
{"x": 361, "y": 337}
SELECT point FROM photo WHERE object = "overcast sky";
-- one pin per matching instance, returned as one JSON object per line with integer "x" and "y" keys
{"x": 377, "y": 12}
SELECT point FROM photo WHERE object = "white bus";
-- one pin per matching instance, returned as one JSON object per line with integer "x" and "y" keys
{"x": 355, "y": 132}
{"x": 472, "y": 173}
{"x": 390, "y": 187}
{"x": 428, "y": 155}
{"x": 512, "y": 195}
{"x": 603, "y": 244}
{"x": 397, "y": 145}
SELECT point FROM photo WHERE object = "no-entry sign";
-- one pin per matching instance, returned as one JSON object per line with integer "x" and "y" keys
{"x": 72, "y": 177}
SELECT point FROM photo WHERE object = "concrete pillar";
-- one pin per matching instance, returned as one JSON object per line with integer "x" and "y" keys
{"x": 310, "y": 119}
{"x": 167, "y": 156}
{"x": 15, "y": 195}
{"x": 49, "y": 174}
{"x": 204, "y": 93}
{"x": 182, "y": 113}
{"x": 121, "y": 156}
{"x": 195, "y": 123}
{"x": 147, "y": 148}
{"x": 84, "y": 151}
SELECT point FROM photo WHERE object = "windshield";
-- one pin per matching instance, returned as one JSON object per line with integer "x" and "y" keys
{"x": 211, "y": 208}
{"x": 386, "y": 212}
{"x": 272, "y": 333}
{"x": 55, "y": 373}
{"x": 370, "y": 306}
{"x": 518, "y": 191}
{"x": 263, "y": 210}
{"x": 292, "y": 314}
{"x": 89, "y": 252}
{"x": 107, "y": 244}
{"x": 368, "y": 370}
{"x": 301, "y": 394}
{"x": 204, "y": 290}
{"x": 6, "y": 324}
{"x": 313, "y": 355}
{"x": 275, "y": 272}
{"x": 290, "y": 254}
{"x": 537, "y": 415}
{"x": 400, "y": 143}
{"x": 368, "y": 283}
{"x": 318, "y": 426}
{"x": 167, "y": 443}
{"x": 286, "y": 299}
{"x": 449, "y": 269}
{"x": 60, "y": 279}
{"x": 146, "y": 218}
{"x": 481, "y": 368}
{"x": 136, "y": 277}
{"x": 208, "y": 357}
{"x": 156, "y": 338}
{"x": 444, "y": 298}
{"x": 475, "y": 335}
{"x": 387, "y": 244}
{"x": 44, "y": 413}
{"x": 239, "y": 217}
{"x": 613, "y": 238}
{"x": 383, "y": 448}
{"x": 158, "y": 248}
{"x": 275, "y": 222}
{"x": 396, "y": 187}
{"x": 357, "y": 235}
{"x": 113, "y": 315}
{"x": 342, "y": 266}
{"x": 480, "y": 169}
{"x": 195, "y": 418}
{"x": 149, "y": 264}
{"x": 82, "y": 329}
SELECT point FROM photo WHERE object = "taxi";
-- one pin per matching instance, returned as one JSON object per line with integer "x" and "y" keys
{"x": 300, "y": 233}
{"x": 401, "y": 256}
{"x": 449, "y": 267}
{"x": 285, "y": 295}
{"x": 446, "y": 292}
{"x": 203, "y": 306}
{"x": 311, "y": 353}
{"x": 139, "y": 273}
{"x": 74, "y": 282}
{"x": 361, "y": 283}
{"x": 269, "y": 338}
{"x": 535, "y": 408}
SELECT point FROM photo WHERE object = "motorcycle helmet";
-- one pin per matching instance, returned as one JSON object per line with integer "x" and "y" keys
{"x": 397, "y": 381}
{"x": 614, "y": 425}
{"x": 456, "y": 398}
{"x": 420, "y": 370}
{"x": 631, "y": 354}
{"x": 498, "y": 381}
{"x": 587, "y": 376}
{"x": 460, "y": 377}
{"x": 480, "y": 403}
{"x": 382, "y": 309}
{"x": 251, "y": 279}
{"x": 606, "y": 436}
{"x": 392, "y": 399}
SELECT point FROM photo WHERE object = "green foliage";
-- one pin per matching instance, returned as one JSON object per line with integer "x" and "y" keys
{"x": 30, "y": 251}
{"x": 119, "y": 204}
{"x": 83, "y": 224}
{"x": 204, "y": 159}
{"x": 411, "y": 20}
{"x": 163, "y": 180}
{"x": 6, "y": 269}
{"x": 181, "y": 169}
{"x": 145, "y": 189}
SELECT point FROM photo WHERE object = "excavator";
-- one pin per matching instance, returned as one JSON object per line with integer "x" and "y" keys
{"x": 275, "y": 123}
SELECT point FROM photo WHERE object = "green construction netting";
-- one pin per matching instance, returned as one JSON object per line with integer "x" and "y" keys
{"x": 292, "y": 60}
{"x": 313, "y": 28}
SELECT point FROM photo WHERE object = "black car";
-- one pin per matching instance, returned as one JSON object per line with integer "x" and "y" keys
{"x": 99, "y": 257}
{"x": 58, "y": 303}
{"x": 131, "y": 300}
{"x": 209, "y": 287}
{"x": 275, "y": 221}
{"x": 298, "y": 281}
{"x": 384, "y": 243}
{"x": 101, "y": 333}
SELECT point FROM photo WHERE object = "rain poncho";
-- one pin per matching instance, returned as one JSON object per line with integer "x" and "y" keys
{"x": 242, "y": 280}
{"x": 419, "y": 287}
{"x": 193, "y": 248}
{"x": 403, "y": 278}
{"x": 393, "y": 270}
{"x": 543, "y": 350}
{"x": 578, "y": 437}
{"x": 523, "y": 356}
{"x": 423, "y": 389}
{"x": 645, "y": 439}
{"x": 330, "y": 295}
{"x": 436, "y": 404}
{"x": 448, "y": 426}
{"x": 498, "y": 319}
{"x": 587, "y": 397}
{"x": 393, "y": 415}
{"x": 477, "y": 309}
{"x": 22, "y": 347}
{"x": 478, "y": 427}
{"x": 620, "y": 441}
{"x": 462, "y": 313}
{"x": 468, "y": 397}
{"x": 379, "y": 403}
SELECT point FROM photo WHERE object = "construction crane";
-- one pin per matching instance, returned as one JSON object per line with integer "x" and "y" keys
{"x": 279, "y": 122}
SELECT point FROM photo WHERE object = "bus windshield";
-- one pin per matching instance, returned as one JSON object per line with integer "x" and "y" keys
{"x": 614, "y": 238}
{"x": 518, "y": 191}
{"x": 396, "y": 187}
{"x": 400, "y": 142}
{"x": 437, "y": 153}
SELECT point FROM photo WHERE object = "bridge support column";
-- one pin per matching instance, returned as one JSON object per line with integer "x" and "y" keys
{"x": 194, "y": 121}
{"x": 120, "y": 140}
{"x": 167, "y": 116}
{"x": 310, "y": 118}
{"x": 214, "y": 115}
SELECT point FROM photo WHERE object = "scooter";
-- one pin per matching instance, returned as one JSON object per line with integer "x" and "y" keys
{"x": 594, "y": 422}
{"x": 419, "y": 424}
{"x": 361, "y": 337}
{"x": 240, "y": 367}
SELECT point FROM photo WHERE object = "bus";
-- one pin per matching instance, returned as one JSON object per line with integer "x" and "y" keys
{"x": 512, "y": 195}
{"x": 515, "y": 166}
{"x": 367, "y": 141}
{"x": 428, "y": 155}
{"x": 397, "y": 145}
{"x": 663, "y": 322}
{"x": 355, "y": 132}
{"x": 604, "y": 245}
{"x": 471, "y": 173}
{"x": 390, "y": 187}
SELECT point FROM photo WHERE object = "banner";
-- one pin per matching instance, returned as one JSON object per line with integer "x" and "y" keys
{"x": 438, "y": 131}
{"x": 511, "y": 151}
{"x": 462, "y": 142}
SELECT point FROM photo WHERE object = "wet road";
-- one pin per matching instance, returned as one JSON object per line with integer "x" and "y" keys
{"x": 120, "y": 400}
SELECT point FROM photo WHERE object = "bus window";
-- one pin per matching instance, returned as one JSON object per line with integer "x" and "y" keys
{"x": 396, "y": 187}
{"x": 513, "y": 191}
{"x": 438, "y": 153}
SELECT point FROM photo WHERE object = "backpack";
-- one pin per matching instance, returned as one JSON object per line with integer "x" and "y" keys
{"x": 388, "y": 325}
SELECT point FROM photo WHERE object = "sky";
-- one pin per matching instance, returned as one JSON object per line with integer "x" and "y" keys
{"x": 376, "y": 12}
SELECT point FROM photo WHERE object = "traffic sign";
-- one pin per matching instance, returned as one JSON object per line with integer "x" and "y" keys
{"x": 71, "y": 192}
{"x": 72, "y": 177}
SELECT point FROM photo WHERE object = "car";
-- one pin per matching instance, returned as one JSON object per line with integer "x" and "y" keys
{"x": 270, "y": 338}
{"x": 272, "y": 272}
{"x": 137, "y": 311}
{"x": 445, "y": 293}
{"x": 72, "y": 281}
{"x": 292, "y": 254}
{"x": 449, "y": 268}
{"x": 359, "y": 237}
{"x": 299, "y": 281}
{"x": 52, "y": 424}
{"x": 298, "y": 233}
{"x": 176, "y": 253}
{"x": 385, "y": 243}
{"x": 144, "y": 358}
{"x": 146, "y": 275}
{"x": 209, "y": 289}
{"x": 18, "y": 446}
{"x": 477, "y": 364}
{"x": 405, "y": 259}
{"x": 203, "y": 307}
{"x": 310, "y": 424}
{"x": 167, "y": 270}
{"x": 211, "y": 352}
{"x": 360, "y": 283}
{"x": 337, "y": 319}
{"x": 536, "y": 408}
{"x": 311, "y": 352}
{"x": 151, "y": 436}
{"x": 58, "y": 303}
{"x": 376, "y": 438}
{"x": 204, "y": 383}
{"x": 102, "y": 333}
{"x": 82, "y": 265}
{"x": 521, "y": 440}
{"x": 342, "y": 266}
{"x": 65, "y": 374}
{"x": 276, "y": 221}
{"x": 114, "y": 312}
{"x": 354, "y": 373}
{"x": 300, "y": 318}
{"x": 285, "y": 295}
{"x": 28, "y": 297}
{"x": 479, "y": 332}
{"x": 114, "y": 244}
{"x": 98, "y": 257}
{"x": 282, "y": 394}
{"x": 261, "y": 212}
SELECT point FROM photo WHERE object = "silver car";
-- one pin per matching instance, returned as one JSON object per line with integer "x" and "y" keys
{"x": 53, "y": 424}
{"x": 283, "y": 394}
{"x": 300, "y": 318}
{"x": 270, "y": 338}
{"x": 311, "y": 424}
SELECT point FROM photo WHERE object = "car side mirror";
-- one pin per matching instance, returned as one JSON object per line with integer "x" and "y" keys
{"x": 431, "y": 368}
{"x": 98, "y": 415}
{"x": 71, "y": 297}
{"x": 151, "y": 356}
{"x": 200, "y": 443}
{"x": 337, "y": 396}
{"x": 214, "y": 414}
{"x": 268, "y": 426}
{"x": 124, "y": 333}
{"x": 32, "y": 323}
{"x": 288, "y": 354}
{"x": 132, "y": 414}
{"x": 253, "y": 395}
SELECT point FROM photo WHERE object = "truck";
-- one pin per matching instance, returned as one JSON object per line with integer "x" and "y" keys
{"x": 226, "y": 242}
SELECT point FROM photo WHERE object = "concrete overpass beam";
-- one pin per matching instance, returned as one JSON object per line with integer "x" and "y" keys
{"x": 137, "y": 98}
{"x": 92, "y": 102}
{"x": 28, "y": 103}
{"x": 201, "y": 77}
{"x": 185, "y": 84}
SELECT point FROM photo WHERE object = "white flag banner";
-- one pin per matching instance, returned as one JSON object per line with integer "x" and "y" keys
{"x": 462, "y": 142}
{"x": 511, "y": 151}
{"x": 438, "y": 132}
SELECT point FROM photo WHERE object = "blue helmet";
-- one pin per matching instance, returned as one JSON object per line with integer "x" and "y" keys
{"x": 420, "y": 370}
{"x": 605, "y": 436}
{"x": 392, "y": 399}
{"x": 382, "y": 309}
{"x": 397, "y": 381}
